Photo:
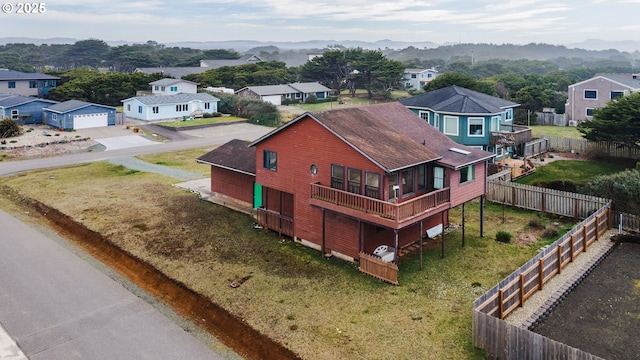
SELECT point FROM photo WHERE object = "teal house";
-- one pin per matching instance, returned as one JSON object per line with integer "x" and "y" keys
{"x": 472, "y": 118}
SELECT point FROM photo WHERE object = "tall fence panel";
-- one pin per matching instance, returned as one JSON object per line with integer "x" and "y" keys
{"x": 536, "y": 147}
{"x": 544, "y": 200}
{"x": 629, "y": 222}
{"x": 507, "y": 341}
{"x": 584, "y": 146}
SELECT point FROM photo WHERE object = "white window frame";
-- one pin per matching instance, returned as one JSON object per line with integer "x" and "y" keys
{"x": 424, "y": 115}
{"x": 438, "y": 177}
{"x": 586, "y": 112}
{"x": 446, "y": 130}
{"x": 584, "y": 94}
{"x": 15, "y": 114}
{"x": 469, "y": 123}
{"x": 621, "y": 92}
{"x": 508, "y": 115}
{"x": 495, "y": 123}
{"x": 436, "y": 121}
{"x": 471, "y": 174}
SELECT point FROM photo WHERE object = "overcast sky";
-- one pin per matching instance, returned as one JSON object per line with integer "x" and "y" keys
{"x": 438, "y": 21}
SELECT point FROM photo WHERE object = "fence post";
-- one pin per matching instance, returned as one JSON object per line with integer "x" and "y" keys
{"x": 521, "y": 290}
{"x": 501, "y": 303}
{"x": 584, "y": 238}
{"x": 541, "y": 273}
{"x": 573, "y": 247}
{"x": 559, "y": 259}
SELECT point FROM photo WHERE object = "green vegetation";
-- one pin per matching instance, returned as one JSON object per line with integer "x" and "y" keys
{"x": 568, "y": 174}
{"x": 622, "y": 187}
{"x": 619, "y": 121}
{"x": 9, "y": 128}
{"x": 201, "y": 121}
{"x": 184, "y": 159}
{"x": 320, "y": 308}
{"x": 571, "y": 132}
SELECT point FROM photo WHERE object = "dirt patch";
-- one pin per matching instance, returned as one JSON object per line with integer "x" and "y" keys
{"x": 601, "y": 316}
{"x": 230, "y": 330}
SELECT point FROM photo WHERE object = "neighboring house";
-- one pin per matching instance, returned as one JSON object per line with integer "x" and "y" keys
{"x": 23, "y": 109}
{"x": 471, "y": 118}
{"x": 276, "y": 94}
{"x": 163, "y": 107}
{"x": 588, "y": 95}
{"x": 76, "y": 114}
{"x": 246, "y": 59}
{"x": 222, "y": 89}
{"x": 418, "y": 78}
{"x": 168, "y": 86}
{"x": 27, "y": 84}
{"x": 352, "y": 182}
{"x": 175, "y": 72}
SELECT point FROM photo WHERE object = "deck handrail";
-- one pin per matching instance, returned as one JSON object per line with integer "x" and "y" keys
{"x": 397, "y": 211}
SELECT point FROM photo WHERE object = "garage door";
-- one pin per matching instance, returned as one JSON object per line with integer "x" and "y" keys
{"x": 274, "y": 99}
{"x": 90, "y": 121}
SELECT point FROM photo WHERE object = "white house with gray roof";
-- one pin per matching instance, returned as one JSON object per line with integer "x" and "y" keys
{"x": 588, "y": 95}
{"x": 276, "y": 94}
{"x": 165, "y": 107}
{"x": 168, "y": 86}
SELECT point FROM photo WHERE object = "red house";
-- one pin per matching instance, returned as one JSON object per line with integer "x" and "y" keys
{"x": 359, "y": 183}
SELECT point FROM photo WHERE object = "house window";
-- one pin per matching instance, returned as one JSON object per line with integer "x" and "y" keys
{"x": 408, "y": 182}
{"x": 270, "y": 160}
{"x": 162, "y": 88}
{"x": 591, "y": 94}
{"x": 414, "y": 76}
{"x": 298, "y": 95}
{"x": 451, "y": 125}
{"x": 616, "y": 94}
{"x": 372, "y": 185}
{"x": 438, "y": 177}
{"x": 436, "y": 121}
{"x": 12, "y": 84}
{"x": 495, "y": 123}
{"x": 424, "y": 115}
{"x": 14, "y": 115}
{"x": 422, "y": 177}
{"x": 128, "y": 107}
{"x": 207, "y": 106}
{"x": 476, "y": 127}
{"x": 393, "y": 186}
{"x": 466, "y": 174}
{"x": 354, "y": 184}
{"x": 589, "y": 111}
{"x": 54, "y": 117}
{"x": 155, "y": 109}
{"x": 33, "y": 84}
{"x": 173, "y": 88}
{"x": 182, "y": 107}
{"x": 508, "y": 115}
{"x": 156, "y": 87}
{"x": 140, "y": 109}
{"x": 337, "y": 177}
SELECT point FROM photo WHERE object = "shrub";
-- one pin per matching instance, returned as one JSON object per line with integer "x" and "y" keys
{"x": 311, "y": 99}
{"x": 535, "y": 223}
{"x": 504, "y": 236}
{"x": 549, "y": 233}
{"x": 9, "y": 128}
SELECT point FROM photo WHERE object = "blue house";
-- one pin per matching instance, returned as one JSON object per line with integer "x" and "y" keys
{"x": 76, "y": 114}
{"x": 27, "y": 84}
{"x": 164, "y": 107}
{"x": 23, "y": 109}
{"x": 471, "y": 118}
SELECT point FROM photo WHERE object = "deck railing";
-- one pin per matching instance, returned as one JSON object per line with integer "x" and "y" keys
{"x": 395, "y": 211}
{"x": 511, "y": 135}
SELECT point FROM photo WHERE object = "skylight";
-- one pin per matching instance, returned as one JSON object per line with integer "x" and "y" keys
{"x": 460, "y": 151}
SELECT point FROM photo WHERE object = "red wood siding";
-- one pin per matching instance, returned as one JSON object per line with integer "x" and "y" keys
{"x": 461, "y": 193}
{"x": 298, "y": 147}
{"x": 232, "y": 184}
{"x": 341, "y": 235}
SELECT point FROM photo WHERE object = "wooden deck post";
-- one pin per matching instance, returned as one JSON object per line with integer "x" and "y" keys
{"x": 482, "y": 216}
{"x": 463, "y": 224}
{"x": 395, "y": 255}
{"x": 421, "y": 237}
{"x": 442, "y": 252}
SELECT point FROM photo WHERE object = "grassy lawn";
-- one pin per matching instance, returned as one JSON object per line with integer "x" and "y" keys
{"x": 320, "y": 308}
{"x": 576, "y": 171}
{"x": 184, "y": 159}
{"x": 201, "y": 121}
{"x": 559, "y": 131}
{"x": 348, "y": 100}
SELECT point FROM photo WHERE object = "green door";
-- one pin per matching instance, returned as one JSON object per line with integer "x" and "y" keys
{"x": 257, "y": 195}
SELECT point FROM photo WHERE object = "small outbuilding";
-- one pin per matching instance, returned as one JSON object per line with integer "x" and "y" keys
{"x": 76, "y": 114}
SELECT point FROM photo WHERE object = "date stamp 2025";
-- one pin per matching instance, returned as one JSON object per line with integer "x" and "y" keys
{"x": 24, "y": 8}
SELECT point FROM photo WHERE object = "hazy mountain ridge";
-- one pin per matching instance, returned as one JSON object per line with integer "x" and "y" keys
{"x": 244, "y": 45}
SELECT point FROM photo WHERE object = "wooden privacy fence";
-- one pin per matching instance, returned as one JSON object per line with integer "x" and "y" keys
{"x": 507, "y": 341}
{"x": 374, "y": 266}
{"x": 551, "y": 201}
{"x": 536, "y": 147}
{"x": 272, "y": 220}
{"x": 584, "y": 146}
{"x": 629, "y": 222}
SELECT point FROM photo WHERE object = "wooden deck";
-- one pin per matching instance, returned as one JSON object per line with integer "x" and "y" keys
{"x": 519, "y": 167}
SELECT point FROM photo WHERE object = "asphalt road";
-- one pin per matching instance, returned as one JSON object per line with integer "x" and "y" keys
{"x": 56, "y": 305}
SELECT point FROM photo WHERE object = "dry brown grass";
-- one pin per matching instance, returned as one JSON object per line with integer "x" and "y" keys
{"x": 320, "y": 308}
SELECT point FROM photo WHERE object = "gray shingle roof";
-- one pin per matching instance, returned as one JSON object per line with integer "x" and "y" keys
{"x": 6, "y": 74}
{"x": 459, "y": 100}
{"x": 392, "y": 136}
{"x": 246, "y": 59}
{"x": 170, "y": 81}
{"x": 71, "y": 105}
{"x": 234, "y": 155}
{"x": 625, "y": 79}
{"x": 9, "y": 100}
{"x": 180, "y": 98}
{"x": 309, "y": 87}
